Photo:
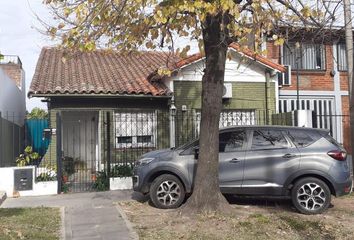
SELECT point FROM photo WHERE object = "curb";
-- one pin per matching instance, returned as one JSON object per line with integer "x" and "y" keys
{"x": 132, "y": 232}
{"x": 2, "y": 197}
{"x": 62, "y": 231}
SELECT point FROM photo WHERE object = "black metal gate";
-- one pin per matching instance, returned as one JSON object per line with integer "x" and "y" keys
{"x": 81, "y": 165}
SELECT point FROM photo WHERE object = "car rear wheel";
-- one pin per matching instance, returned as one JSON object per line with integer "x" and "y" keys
{"x": 311, "y": 196}
{"x": 167, "y": 191}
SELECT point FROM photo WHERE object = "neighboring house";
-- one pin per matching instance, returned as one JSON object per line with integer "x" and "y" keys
{"x": 12, "y": 109}
{"x": 109, "y": 106}
{"x": 322, "y": 80}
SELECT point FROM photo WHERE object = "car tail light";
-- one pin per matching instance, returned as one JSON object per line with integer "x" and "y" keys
{"x": 338, "y": 155}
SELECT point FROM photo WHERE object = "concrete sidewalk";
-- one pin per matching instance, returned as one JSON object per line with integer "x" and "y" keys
{"x": 86, "y": 215}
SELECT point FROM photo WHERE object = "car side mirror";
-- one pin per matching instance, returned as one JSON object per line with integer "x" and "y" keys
{"x": 196, "y": 152}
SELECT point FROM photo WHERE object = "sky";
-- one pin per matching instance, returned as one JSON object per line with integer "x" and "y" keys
{"x": 18, "y": 36}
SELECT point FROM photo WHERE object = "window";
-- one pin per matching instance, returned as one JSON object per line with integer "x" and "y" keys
{"x": 124, "y": 139}
{"x": 307, "y": 57}
{"x": 302, "y": 138}
{"x": 232, "y": 117}
{"x": 342, "y": 57}
{"x": 284, "y": 79}
{"x": 189, "y": 148}
{"x": 268, "y": 139}
{"x": 231, "y": 141}
{"x": 135, "y": 129}
{"x": 144, "y": 139}
{"x": 237, "y": 117}
{"x": 228, "y": 142}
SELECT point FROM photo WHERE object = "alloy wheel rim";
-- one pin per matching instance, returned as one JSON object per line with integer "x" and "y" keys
{"x": 311, "y": 196}
{"x": 168, "y": 193}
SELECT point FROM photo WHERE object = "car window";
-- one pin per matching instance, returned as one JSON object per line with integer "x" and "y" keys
{"x": 302, "y": 138}
{"x": 189, "y": 148}
{"x": 332, "y": 140}
{"x": 268, "y": 139}
{"x": 231, "y": 141}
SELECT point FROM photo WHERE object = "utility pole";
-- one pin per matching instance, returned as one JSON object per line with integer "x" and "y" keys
{"x": 349, "y": 41}
{"x": 349, "y": 45}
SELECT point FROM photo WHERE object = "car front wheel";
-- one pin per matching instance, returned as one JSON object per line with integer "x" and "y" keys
{"x": 167, "y": 191}
{"x": 311, "y": 196}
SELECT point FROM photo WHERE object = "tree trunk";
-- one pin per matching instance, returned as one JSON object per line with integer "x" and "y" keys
{"x": 206, "y": 194}
{"x": 349, "y": 44}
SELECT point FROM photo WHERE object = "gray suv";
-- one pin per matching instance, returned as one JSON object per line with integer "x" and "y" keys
{"x": 305, "y": 164}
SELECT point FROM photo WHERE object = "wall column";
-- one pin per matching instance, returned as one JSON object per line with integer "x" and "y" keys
{"x": 173, "y": 110}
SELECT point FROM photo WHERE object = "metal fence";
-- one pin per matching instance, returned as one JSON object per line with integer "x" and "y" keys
{"x": 12, "y": 133}
{"x": 134, "y": 133}
{"x": 23, "y": 143}
{"x": 82, "y": 149}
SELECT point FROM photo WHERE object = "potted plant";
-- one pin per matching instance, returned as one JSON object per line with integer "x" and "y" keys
{"x": 28, "y": 158}
{"x": 68, "y": 168}
{"x": 120, "y": 178}
{"x": 101, "y": 181}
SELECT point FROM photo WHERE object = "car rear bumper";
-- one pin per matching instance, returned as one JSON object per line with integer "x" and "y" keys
{"x": 343, "y": 188}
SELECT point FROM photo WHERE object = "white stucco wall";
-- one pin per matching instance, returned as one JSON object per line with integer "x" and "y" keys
{"x": 237, "y": 69}
{"x": 12, "y": 99}
{"x": 39, "y": 188}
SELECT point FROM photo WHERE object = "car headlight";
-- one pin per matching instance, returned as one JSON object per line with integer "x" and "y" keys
{"x": 144, "y": 161}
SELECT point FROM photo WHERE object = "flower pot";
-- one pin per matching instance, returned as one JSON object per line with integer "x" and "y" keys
{"x": 65, "y": 179}
{"x": 120, "y": 183}
{"x": 93, "y": 177}
{"x": 45, "y": 188}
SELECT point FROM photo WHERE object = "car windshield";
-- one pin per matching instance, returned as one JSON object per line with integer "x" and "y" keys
{"x": 188, "y": 144}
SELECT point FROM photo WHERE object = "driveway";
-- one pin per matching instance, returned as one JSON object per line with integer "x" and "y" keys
{"x": 86, "y": 215}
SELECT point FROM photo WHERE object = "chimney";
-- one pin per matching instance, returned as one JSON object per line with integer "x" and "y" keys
{"x": 12, "y": 66}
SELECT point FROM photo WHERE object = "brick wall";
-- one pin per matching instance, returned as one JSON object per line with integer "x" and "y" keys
{"x": 273, "y": 52}
{"x": 14, "y": 71}
{"x": 343, "y": 81}
{"x": 320, "y": 80}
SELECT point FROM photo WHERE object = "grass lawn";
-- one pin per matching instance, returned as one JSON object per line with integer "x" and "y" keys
{"x": 250, "y": 219}
{"x": 30, "y": 223}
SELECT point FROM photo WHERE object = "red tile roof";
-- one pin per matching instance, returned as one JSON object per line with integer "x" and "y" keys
{"x": 98, "y": 72}
{"x": 249, "y": 53}
{"x": 102, "y": 72}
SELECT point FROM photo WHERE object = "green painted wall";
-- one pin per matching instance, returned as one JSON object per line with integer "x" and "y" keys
{"x": 245, "y": 95}
{"x": 50, "y": 158}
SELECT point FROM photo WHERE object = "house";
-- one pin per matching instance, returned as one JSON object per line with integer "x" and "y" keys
{"x": 110, "y": 107}
{"x": 12, "y": 109}
{"x": 317, "y": 74}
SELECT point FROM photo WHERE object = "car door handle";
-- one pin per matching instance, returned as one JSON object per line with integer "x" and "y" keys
{"x": 288, "y": 155}
{"x": 234, "y": 160}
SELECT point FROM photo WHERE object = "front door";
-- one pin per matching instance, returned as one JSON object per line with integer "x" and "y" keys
{"x": 231, "y": 160}
{"x": 79, "y": 141}
{"x": 271, "y": 158}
